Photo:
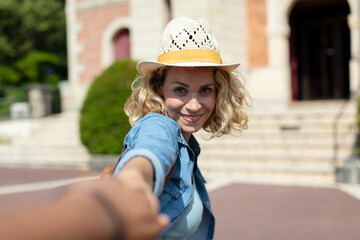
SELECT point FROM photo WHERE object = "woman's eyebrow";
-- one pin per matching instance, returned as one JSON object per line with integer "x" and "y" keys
{"x": 207, "y": 85}
{"x": 186, "y": 85}
{"x": 180, "y": 83}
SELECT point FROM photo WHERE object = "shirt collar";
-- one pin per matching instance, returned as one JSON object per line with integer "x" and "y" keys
{"x": 192, "y": 144}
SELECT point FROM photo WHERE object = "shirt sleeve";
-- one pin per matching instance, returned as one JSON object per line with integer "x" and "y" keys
{"x": 156, "y": 139}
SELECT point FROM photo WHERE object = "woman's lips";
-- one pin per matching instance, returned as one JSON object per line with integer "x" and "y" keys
{"x": 191, "y": 118}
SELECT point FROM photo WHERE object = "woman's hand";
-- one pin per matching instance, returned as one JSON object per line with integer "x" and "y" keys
{"x": 129, "y": 203}
{"x": 140, "y": 208}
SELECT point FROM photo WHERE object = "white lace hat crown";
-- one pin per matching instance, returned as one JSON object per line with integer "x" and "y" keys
{"x": 186, "y": 43}
{"x": 192, "y": 35}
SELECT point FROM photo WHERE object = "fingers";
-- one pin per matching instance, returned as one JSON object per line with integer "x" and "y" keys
{"x": 107, "y": 172}
{"x": 134, "y": 180}
{"x": 131, "y": 178}
{"x": 142, "y": 211}
{"x": 151, "y": 229}
{"x": 134, "y": 203}
{"x": 163, "y": 221}
{"x": 152, "y": 199}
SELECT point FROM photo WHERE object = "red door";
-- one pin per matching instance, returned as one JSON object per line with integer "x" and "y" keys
{"x": 122, "y": 44}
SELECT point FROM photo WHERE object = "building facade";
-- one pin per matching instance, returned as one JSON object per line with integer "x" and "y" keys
{"x": 290, "y": 50}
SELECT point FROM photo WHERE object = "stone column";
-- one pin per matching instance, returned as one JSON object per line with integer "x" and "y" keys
{"x": 73, "y": 49}
{"x": 148, "y": 19}
{"x": 278, "y": 32}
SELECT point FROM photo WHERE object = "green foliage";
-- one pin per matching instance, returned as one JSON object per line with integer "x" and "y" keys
{"x": 8, "y": 75}
{"x": 37, "y": 67}
{"x": 32, "y": 42}
{"x": 103, "y": 123}
{"x": 17, "y": 94}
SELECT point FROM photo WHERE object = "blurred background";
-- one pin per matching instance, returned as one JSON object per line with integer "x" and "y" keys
{"x": 66, "y": 69}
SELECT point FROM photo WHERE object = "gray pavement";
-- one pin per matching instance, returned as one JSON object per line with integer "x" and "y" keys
{"x": 242, "y": 210}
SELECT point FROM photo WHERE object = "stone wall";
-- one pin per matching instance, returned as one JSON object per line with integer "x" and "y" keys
{"x": 94, "y": 21}
{"x": 87, "y": 22}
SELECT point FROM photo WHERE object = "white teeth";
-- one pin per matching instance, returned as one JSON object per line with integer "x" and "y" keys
{"x": 191, "y": 117}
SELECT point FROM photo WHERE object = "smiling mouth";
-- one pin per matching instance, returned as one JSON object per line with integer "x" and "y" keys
{"x": 191, "y": 118}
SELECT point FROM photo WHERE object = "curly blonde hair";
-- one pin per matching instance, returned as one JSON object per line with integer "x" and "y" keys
{"x": 228, "y": 116}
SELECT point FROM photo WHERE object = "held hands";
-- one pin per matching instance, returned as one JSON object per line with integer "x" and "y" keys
{"x": 130, "y": 205}
{"x": 140, "y": 208}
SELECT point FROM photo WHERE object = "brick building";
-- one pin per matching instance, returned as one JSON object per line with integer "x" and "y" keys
{"x": 290, "y": 50}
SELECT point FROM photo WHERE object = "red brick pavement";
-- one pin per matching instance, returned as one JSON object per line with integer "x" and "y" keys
{"x": 17, "y": 175}
{"x": 263, "y": 212}
{"x": 14, "y": 176}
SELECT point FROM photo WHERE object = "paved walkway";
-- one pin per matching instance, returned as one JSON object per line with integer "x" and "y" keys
{"x": 267, "y": 212}
{"x": 243, "y": 210}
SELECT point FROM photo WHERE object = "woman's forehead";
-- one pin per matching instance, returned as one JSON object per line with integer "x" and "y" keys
{"x": 203, "y": 74}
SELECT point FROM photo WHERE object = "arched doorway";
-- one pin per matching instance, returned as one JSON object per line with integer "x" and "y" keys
{"x": 320, "y": 50}
{"x": 121, "y": 42}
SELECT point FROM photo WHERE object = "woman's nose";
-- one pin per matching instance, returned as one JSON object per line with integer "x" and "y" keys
{"x": 193, "y": 104}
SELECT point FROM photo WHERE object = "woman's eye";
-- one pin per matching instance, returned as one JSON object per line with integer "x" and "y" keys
{"x": 206, "y": 90}
{"x": 179, "y": 90}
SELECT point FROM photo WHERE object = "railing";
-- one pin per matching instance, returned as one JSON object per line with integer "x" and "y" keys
{"x": 354, "y": 96}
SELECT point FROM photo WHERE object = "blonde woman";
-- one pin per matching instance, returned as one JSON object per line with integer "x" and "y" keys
{"x": 186, "y": 89}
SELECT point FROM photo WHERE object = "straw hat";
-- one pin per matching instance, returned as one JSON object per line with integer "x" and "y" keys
{"x": 186, "y": 43}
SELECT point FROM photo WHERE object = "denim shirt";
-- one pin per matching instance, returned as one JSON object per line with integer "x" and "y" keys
{"x": 159, "y": 139}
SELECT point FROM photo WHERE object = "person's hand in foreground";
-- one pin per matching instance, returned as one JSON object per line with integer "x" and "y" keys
{"x": 108, "y": 208}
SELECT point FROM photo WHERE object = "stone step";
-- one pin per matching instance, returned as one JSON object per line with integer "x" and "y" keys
{"x": 61, "y": 142}
{"x": 76, "y": 157}
{"x": 57, "y": 130}
{"x": 302, "y": 117}
{"x": 270, "y": 158}
{"x": 268, "y": 173}
{"x": 271, "y": 178}
{"x": 269, "y": 167}
{"x": 327, "y": 153}
{"x": 286, "y": 135}
{"x": 51, "y": 141}
{"x": 301, "y": 126}
{"x": 60, "y": 159}
{"x": 38, "y": 150}
{"x": 309, "y": 109}
{"x": 304, "y": 144}
{"x": 285, "y": 144}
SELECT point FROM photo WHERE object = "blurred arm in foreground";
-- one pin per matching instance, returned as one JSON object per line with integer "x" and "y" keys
{"x": 107, "y": 208}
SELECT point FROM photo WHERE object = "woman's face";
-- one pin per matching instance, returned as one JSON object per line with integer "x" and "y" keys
{"x": 190, "y": 96}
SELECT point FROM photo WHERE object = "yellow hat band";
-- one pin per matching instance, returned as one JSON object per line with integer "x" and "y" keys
{"x": 190, "y": 55}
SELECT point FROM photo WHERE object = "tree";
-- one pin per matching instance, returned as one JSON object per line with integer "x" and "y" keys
{"x": 32, "y": 42}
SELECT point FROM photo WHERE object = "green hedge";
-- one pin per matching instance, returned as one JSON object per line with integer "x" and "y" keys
{"x": 103, "y": 123}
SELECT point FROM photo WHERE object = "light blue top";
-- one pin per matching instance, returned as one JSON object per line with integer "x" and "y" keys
{"x": 159, "y": 139}
{"x": 190, "y": 220}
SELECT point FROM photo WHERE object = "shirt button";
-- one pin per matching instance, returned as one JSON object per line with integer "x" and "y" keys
{"x": 207, "y": 204}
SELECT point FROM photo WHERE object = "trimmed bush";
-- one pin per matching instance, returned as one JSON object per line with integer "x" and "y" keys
{"x": 103, "y": 123}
